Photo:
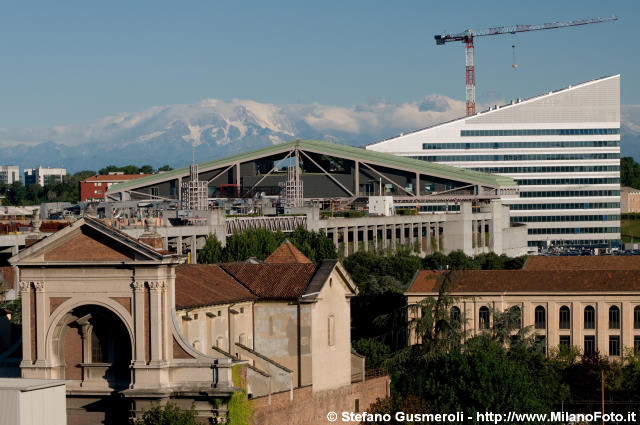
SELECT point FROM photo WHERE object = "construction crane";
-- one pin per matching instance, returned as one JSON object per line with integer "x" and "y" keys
{"x": 468, "y": 36}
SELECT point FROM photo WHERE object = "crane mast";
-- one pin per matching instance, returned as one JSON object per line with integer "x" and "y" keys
{"x": 467, "y": 38}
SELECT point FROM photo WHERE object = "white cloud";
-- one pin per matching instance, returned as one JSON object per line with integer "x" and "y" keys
{"x": 233, "y": 120}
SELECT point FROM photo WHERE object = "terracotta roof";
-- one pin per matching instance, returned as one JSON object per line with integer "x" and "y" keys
{"x": 598, "y": 262}
{"x": 557, "y": 281}
{"x": 273, "y": 281}
{"x": 287, "y": 253}
{"x": 207, "y": 284}
{"x": 116, "y": 178}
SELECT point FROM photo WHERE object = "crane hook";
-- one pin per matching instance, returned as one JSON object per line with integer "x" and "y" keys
{"x": 514, "y": 65}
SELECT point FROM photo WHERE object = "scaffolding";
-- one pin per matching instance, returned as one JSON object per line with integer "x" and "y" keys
{"x": 291, "y": 191}
{"x": 194, "y": 192}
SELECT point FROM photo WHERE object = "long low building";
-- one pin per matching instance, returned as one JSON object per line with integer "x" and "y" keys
{"x": 592, "y": 303}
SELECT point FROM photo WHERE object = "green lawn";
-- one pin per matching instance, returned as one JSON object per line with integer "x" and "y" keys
{"x": 630, "y": 227}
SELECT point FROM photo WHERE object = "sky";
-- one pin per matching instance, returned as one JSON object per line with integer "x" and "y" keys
{"x": 74, "y": 62}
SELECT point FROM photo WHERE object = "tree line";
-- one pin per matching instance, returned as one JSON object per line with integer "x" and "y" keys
{"x": 67, "y": 190}
{"x": 629, "y": 173}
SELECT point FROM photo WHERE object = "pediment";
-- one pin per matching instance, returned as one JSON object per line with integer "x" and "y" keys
{"x": 87, "y": 242}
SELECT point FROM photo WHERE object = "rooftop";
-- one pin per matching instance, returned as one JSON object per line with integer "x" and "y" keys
{"x": 286, "y": 253}
{"x": 333, "y": 149}
{"x": 598, "y": 262}
{"x": 528, "y": 281}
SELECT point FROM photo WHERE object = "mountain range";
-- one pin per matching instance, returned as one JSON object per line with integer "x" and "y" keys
{"x": 213, "y": 128}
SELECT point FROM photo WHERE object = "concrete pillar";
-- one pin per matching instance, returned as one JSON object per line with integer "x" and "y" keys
{"x": 179, "y": 245}
{"x": 345, "y": 238}
{"x": 403, "y": 240}
{"x": 375, "y": 238}
{"x": 355, "y": 239}
{"x": 482, "y": 234}
{"x": 194, "y": 254}
{"x": 365, "y": 237}
{"x": 384, "y": 237}
{"x": 428, "y": 237}
{"x": 437, "y": 236}
{"x": 334, "y": 231}
{"x": 394, "y": 240}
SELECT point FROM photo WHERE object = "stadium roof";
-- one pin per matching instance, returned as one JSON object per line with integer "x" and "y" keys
{"x": 331, "y": 149}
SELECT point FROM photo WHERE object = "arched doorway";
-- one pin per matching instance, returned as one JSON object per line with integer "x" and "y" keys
{"x": 93, "y": 348}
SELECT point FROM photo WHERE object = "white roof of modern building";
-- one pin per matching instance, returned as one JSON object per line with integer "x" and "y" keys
{"x": 513, "y": 104}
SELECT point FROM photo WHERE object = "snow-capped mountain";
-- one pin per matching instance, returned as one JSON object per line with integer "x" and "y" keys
{"x": 166, "y": 135}
{"x": 214, "y": 129}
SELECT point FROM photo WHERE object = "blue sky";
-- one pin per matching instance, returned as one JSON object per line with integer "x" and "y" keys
{"x": 74, "y": 62}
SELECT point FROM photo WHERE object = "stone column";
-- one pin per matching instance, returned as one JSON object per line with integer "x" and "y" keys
{"x": 179, "y": 245}
{"x": 482, "y": 234}
{"x": 25, "y": 292}
{"x": 335, "y": 237}
{"x": 41, "y": 323}
{"x": 155, "y": 305}
{"x": 138, "y": 323}
{"x": 437, "y": 235}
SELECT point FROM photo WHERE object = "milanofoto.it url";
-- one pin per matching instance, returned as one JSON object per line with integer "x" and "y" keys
{"x": 484, "y": 417}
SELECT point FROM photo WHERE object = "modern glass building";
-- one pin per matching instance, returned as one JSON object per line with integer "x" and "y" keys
{"x": 563, "y": 149}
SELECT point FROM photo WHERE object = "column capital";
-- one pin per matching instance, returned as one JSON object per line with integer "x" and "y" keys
{"x": 25, "y": 286}
{"x": 137, "y": 286}
{"x": 39, "y": 286}
{"x": 157, "y": 285}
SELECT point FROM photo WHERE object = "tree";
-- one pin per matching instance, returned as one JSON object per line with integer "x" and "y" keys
{"x": 146, "y": 169}
{"x": 165, "y": 168}
{"x": 169, "y": 414}
{"x": 211, "y": 252}
{"x": 108, "y": 169}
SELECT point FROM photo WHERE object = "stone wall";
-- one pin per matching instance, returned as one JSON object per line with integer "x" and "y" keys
{"x": 311, "y": 408}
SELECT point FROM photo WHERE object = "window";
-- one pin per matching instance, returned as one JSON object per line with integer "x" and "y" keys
{"x": 516, "y": 315}
{"x": 589, "y": 317}
{"x": 454, "y": 314}
{"x": 357, "y": 405}
{"x": 541, "y": 344}
{"x": 98, "y": 350}
{"x": 565, "y": 318}
{"x": 589, "y": 345}
{"x": 540, "y": 320}
{"x": 614, "y": 317}
{"x": 565, "y": 340}
{"x": 636, "y": 317}
{"x": 483, "y": 318}
{"x": 614, "y": 345}
{"x": 636, "y": 344}
{"x": 332, "y": 331}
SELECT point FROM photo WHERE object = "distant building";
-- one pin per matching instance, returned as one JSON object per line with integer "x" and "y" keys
{"x": 95, "y": 187}
{"x": 43, "y": 176}
{"x": 562, "y": 148}
{"x": 592, "y": 303}
{"x": 9, "y": 174}
{"x": 629, "y": 200}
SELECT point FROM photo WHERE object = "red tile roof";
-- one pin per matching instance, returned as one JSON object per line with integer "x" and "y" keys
{"x": 273, "y": 281}
{"x": 207, "y": 284}
{"x": 598, "y": 262}
{"x": 287, "y": 253}
{"x": 557, "y": 281}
